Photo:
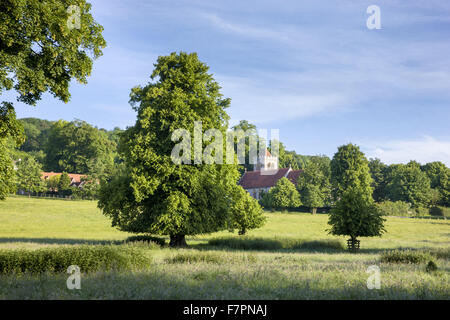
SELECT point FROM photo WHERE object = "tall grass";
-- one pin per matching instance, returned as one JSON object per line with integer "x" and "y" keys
{"x": 248, "y": 243}
{"x": 88, "y": 258}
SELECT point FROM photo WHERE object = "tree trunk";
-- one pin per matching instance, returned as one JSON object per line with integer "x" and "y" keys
{"x": 178, "y": 240}
{"x": 353, "y": 244}
{"x": 314, "y": 210}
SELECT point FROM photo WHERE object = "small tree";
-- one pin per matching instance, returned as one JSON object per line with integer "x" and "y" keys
{"x": 246, "y": 213}
{"x": 64, "y": 184}
{"x": 313, "y": 197}
{"x": 314, "y": 186}
{"x": 29, "y": 176}
{"x": 355, "y": 213}
{"x": 52, "y": 183}
{"x": 284, "y": 195}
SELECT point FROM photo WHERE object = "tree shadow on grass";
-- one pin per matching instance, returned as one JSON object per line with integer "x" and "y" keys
{"x": 220, "y": 284}
{"x": 60, "y": 241}
{"x": 326, "y": 246}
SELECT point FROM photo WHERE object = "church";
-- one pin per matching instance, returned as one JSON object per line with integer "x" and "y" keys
{"x": 266, "y": 175}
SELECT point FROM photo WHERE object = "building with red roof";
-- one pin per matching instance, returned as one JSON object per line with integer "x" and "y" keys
{"x": 266, "y": 175}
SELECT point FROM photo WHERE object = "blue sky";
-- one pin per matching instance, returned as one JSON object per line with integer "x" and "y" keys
{"x": 311, "y": 69}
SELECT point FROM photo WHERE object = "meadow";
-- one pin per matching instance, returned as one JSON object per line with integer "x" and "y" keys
{"x": 291, "y": 257}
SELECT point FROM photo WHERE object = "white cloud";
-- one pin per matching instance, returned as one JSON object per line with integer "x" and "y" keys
{"x": 254, "y": 101}
{"x": 422, "y": 150}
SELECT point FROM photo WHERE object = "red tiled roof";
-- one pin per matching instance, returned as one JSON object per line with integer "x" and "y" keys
{"x": 75, "y": 177}
{"x": 254, "y": 179}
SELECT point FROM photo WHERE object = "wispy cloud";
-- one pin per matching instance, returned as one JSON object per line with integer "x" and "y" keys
{"x": 426, "y": 149}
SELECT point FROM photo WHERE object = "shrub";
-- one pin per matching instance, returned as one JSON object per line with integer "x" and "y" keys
{"x": 431, "y": 266}
{"x": 88, "y": 258}
{"x": 420, "y": 211}
{"x": 147, "y": 238}
{"x": 440, "y": 211}
{"x": 397, "y": 208}
{"x": 440, "y": 253}
{"x": 405, "y": 256}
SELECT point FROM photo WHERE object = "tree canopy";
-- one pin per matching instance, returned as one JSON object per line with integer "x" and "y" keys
{"x": 152, "y": 193}
{"x": 41, "y": 51}
{"x": 354, "y": 213}
{"x": 314, "y": 185}
{"x": 282, "y": 196}
{"x": 78, "y": 147}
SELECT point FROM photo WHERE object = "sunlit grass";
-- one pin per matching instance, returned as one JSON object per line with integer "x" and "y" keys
{"x": 291, "y": 257}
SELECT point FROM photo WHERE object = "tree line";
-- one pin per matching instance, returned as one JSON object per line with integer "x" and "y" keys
{"x": 65, "y": 147}
{"x": 411, "y": 186}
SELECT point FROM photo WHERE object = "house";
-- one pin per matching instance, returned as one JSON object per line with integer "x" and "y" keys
{"x": 76, "y": 179}
{"x": 266, "y": 175}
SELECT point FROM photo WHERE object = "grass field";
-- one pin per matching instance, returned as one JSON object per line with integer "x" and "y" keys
{"x": 291, "y": 257}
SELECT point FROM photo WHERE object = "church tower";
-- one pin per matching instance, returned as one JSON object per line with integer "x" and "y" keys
{"x": 266, "y": 162}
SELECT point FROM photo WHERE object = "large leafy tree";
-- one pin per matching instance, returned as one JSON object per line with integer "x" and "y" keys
{"x": 43, "y": 46}
{"x": 11, "y": 134}
{"x": 153, "y": 193}
{"x": 78, "y": 147}
{"x": 378, "y": 172}
{"x": 439, "y": 175}
{"x": 354, "y": 213}
{"x": 36, "y": 132}
{"x": 410, "y": 184}
{"x": 29, "y": 176}
{"x": 46, "y": 44}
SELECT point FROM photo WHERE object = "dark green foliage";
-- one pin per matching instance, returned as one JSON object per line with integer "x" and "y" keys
{"x": 378, "y": 172}
{"x": 431, "y": 266}
{"x": 421, "y": 211}
{"x": 88, "y": 258}
{"x": 405, "y": 256}
{"x": 78, "y": 147}
{"x": 440, "y": 211}
{"x": 250, "y": 129}
{"x": 46, "y": 54}
{"x": 397, "y": 208}
{"x": 64, "y": 184}
{"x": 247, "y": 243}
{"x": 147, "y": 238}
{"x": 409, "y": 184}
{"x": 439, "y": 176}
{"x": 36, "y": 132}
{"x": 314, "y": 183}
